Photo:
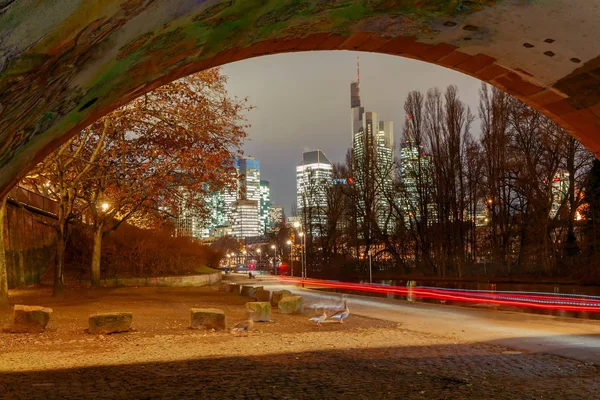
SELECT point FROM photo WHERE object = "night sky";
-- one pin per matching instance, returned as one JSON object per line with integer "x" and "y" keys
{"x": 302, "y": 102}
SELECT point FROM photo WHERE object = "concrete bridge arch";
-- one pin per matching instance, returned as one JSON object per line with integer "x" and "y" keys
{"x": 66, "y": 63}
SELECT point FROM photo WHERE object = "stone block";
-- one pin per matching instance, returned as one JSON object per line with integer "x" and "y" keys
{"x": 207, "y": 318}
{"x": 232, "y": 288}
{"x": 249, "y": 291}
{"x": 262, "y": 310}
{"x": 262, "y": 295}
{"x": 29, "y": 319}
{"x": 278, "y": 295}
{"x": 223, "y": 286}
{"x": 103, "y": 324}
{"x": 291, "y": 305}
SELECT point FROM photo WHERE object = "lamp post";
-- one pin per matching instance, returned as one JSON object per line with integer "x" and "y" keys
{"x": 370, "y": 268}
{"x": 291, "y": 257}
{"x": 259, "y": 259}
{"x": 302, "y": 250}
{"x": 245, "y": 257}
{"x": 303, "y": 256}
{"x": 274, "y": 257}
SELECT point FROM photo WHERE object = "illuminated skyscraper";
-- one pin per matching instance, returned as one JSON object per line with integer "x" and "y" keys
{"x": 313, "y": 175}
{"x": 372, "y": 154}
{"x": 560, "y": 190}
{"x": 416, "y": 177}
{"x": 275, "y": 215}
{"x": 249, "y": 179}
{"x": 246, "y": 221}
{"x": 265, "y": 205}
{"x": 231, "y": 208}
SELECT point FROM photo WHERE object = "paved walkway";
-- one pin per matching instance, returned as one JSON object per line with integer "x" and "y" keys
{"x": 568, "y": 337}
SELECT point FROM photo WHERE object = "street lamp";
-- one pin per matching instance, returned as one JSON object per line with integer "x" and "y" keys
{"x": 105, "y": 206}
{"x": 302, "y": 253}
{"x": 291, "y": 257}
{"x": 274, "y": 257}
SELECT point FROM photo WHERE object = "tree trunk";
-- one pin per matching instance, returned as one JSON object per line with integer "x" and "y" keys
{"x": 59, "y": 283}
{"x": 96, "y": 255}
{"x": 3, "y": 273}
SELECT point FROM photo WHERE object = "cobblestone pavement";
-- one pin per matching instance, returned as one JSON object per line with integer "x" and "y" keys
{"x": 394, "y": 373}
{"x": 287, "y": 358}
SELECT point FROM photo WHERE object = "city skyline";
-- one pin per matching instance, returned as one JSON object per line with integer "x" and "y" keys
{"x": 302, "y": 99}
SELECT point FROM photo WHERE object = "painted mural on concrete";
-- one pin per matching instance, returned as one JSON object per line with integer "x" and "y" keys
{"x": 64, "y": 63}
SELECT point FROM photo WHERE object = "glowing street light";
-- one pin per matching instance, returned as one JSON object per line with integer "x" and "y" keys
{"x": 291, "y": 257}
{"x": 274, "y": 257}
{"x": 105, "y": 206}
{"x": 303, "y": 254}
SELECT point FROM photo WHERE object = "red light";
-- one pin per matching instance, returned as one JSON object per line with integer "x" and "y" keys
{"x": 350, "y": 180}
{"x": 251, "y": 266}
{"x": 531, "y": 300}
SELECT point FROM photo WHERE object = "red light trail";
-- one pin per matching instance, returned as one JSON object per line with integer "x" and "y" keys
{"x": 567, "y": 302}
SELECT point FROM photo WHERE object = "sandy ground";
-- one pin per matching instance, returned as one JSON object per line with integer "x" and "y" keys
{"x": 288, "y": 357}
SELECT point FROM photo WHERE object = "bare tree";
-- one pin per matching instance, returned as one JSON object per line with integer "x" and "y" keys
{"x": 494, "y": 106}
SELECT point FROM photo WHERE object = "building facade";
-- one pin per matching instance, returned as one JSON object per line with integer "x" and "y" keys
{"x": 275, "y": 216}
{"x": 241, "y": 209}
{"x": 246, "y": 221}
{"x": 265, "y": 205}
{"x": 313, "y": 176}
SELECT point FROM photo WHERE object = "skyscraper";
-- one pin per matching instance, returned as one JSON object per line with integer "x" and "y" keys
{"x": 246, "y": 221}
{"x": 560, "y": 190}
{"x": 357, "y": 111}
{"x": 231, "y": 195}
{"x": 275, "y": 215}
{"x": 416, "y": 177}
{"x": 231, "y": 208}
{"x": 313, "y": 175}
{"x": 249, "y": 169}
{"x": 199, "y": 217}
{"x": 265, "y": 205}
{"x": 372, "y": 156}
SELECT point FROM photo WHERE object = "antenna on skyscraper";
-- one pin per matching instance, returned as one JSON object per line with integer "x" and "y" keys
{"x": 358, "y": 73}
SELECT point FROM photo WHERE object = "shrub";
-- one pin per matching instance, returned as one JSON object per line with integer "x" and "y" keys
{"x": 133, "y": 252}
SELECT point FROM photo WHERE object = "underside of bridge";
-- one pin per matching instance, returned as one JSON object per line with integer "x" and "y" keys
{"x": 66, "y": 63}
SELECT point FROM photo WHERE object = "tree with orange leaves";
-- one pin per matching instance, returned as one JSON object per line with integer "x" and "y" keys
{"x": 163, "y": 151}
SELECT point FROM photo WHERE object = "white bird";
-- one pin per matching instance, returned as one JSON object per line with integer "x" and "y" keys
{"x": 343, "y": 314}
{"x": 320, "y": 319}
{"x": 246, "y": 325}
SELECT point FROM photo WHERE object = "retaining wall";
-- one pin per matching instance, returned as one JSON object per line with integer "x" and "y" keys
{"x": 165, "y": 281}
